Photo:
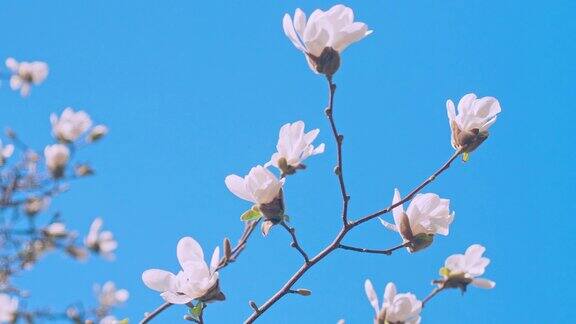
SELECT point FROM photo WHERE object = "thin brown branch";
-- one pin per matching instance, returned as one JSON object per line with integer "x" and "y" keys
{"x": 434, "y": 292}
{"x": 339, "y": 138}
{"x": 413, "y": 193}
{"x": 363, "y": 250}
{"x": 294, "y": 242}
{"x": 150, "y": 316}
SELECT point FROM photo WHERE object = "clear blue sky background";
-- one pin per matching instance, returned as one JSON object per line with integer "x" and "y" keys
{"x": 195, "y": 90}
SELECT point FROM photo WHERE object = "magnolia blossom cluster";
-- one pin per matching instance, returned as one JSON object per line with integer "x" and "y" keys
{"x": 261, "y": 187}
{"x": 196, "y": 281}
{"x": 26, "y": 74}
{"x": 68, "y": 128}
{"x": 427, "y": 215}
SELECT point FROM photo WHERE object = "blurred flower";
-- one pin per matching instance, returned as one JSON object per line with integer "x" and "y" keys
{"x": 195, "y": 281}
{"x": 71, "y": 125}
{"x": 475, "y": 116}
{"x": 33, "y": 205}
{"x": 56, "y": 229}
{"x": 427, "y": 215}
{"x": 111, "y": 319}
{"x": 108, "y": 296}
{"x": 8, "y": 308}
{"x": 103, "y": 242}
{"x": 5, "y": 152}
{"x": 463, "y": 269}
{"x": 56, "y": 157}
{"x": 294, "y": 146}
{"x": 24, "y": 74}
{"x": 97, "y": 133}
{"x": 396, "y": 308}
{"x": 324, "y": 35}
{"x": 83, "y": 170}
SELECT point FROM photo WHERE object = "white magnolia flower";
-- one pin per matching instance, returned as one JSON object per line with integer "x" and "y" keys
{"x": 396, "y": 308}
{"x": 102, "y": 242}
{"x": 469, "y": 266}
{"x": 470, "y": 126}
{"x": 34, "y": 205}
{"x": 24, "y": 74}
{"x": 428, "y": 214}
{"x": 55, "y": 229}
{"x": 56, "y": 157}
{"x": 294, "y": 146}
{"x": 108, "y": 296}
{"x": 260, "y": 186}
{"x": 5, "y": 152}
{"x": 8, "y": 308}
{"x": 71, "y": 124}
{"x": 334, "y": 29}
{"x": 195, "y": 281}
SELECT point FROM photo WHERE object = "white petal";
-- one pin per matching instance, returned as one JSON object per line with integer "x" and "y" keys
{"x": 371, "y": 294}
{"x": 188, "y": 250}
{"x": 237, "y": 186}
{"x": 175, "y": 298}
{"x": 215, "y": 259}
{"x": 158, "y": 280}
{"x": 483, "y": 283}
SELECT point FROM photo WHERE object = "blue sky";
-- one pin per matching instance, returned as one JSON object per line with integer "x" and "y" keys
{"x": 193, "y": 91}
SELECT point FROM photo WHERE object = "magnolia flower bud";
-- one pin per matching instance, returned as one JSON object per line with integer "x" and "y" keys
{"x": 303, "y": 292}
{"x": 227, "y": 249}
{"x": 83, "y": 170}
{"x": 76, "y": 252}
{"x": 97, "y": 133}
{"x": 34, "y": 205}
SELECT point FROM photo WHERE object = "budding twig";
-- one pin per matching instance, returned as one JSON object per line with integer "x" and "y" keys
{"x": 363, "y": 250}
{"x": 339, "y": 138}
{"x": 295, "y": 243}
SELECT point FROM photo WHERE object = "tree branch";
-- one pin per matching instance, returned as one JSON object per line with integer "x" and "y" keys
{"x": 363, "y": 250}
{"x": 295, "y": 243}
{"x": 412, "y": 193}
{"x": 339, "y": 138}
{"x": 336, "y": 243}
{"x": 434, "y": 292}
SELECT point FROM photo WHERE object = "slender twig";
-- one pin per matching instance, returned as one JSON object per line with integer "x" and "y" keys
{"x": 148, "y": 317}
{"x": 347, "y": 226}
{"x": 339, "y": 139}
{"x": 434, "y": 292}
{"x": 363, "y": 250}
{"x": 412, "y": 193}
{"x": 294, "y": 242}
{"x": 248, "y": 229}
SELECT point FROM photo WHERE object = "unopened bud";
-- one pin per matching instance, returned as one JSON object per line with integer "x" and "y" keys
{"x": 10, "y": 133}
{"x": 303, "y": 292}
{"x": 227, "y": 249}
{"x": 97, "y": 133}
{"x": 253, "y": 305}
{"x": 83, "y": 170}
{"x": 190, "y": 318}
{"x": 337, "y": 170}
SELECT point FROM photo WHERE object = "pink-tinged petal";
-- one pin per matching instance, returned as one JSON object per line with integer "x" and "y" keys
{"x": 291, "y": 33}
{"x": 215, "y": 261}
{"x": 399, "y": 210}
{"x": 389, "y": 226}
{"x": 483, "y": 283}
{"x": 389, "y": 292}
{"x": 188, "y": 250}
{"x": 158, "y": 280}
{"x": 237, "y": 186}
{"x": 466, "y": 102}
{"x": 371, "y": 294}
{"x": 451, "y": 110}
{"x": 299, "y": 21}
{"x": 175, "y": 298}
{"x": 350, "y": 34}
